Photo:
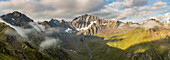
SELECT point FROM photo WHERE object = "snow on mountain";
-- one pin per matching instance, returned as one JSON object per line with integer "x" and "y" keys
{"x": 68, "y": 30}
{"x": 85, "y": 28}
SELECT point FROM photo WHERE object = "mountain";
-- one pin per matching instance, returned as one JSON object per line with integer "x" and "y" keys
{"x": 92, "y": 25}
{"x": 16, "y": 18}
{"x": 14, "y": 48}
{"x": 55, "y": 23}
{"x": 149, "y": 41}
{"x": 24, "y": 39}
{"x": 84, "y": 38}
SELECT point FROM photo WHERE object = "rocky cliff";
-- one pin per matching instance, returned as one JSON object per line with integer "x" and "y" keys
{"x": 91, "y": 25}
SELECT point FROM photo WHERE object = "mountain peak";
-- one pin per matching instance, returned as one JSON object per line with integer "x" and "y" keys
{"x": 86, "y": 18}
{"x": 86, "y": 15}
{"x": 16, "y": 18}
{"x": 16, "y": 13}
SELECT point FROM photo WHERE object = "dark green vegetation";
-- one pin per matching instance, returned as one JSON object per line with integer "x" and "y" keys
{"x": 104, "y": 40}
{"x": 14, "y": 48}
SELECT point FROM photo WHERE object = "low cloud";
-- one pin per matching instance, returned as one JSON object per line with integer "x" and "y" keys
{"x": 162, "y": 17}
{"x": 11, "y": 32}
{"x": 49, "y": 42}
{"x": 151, "y": 24}
{"x": 134, "y": 25}
{"x": 37, "y": 27}
{"x": 21, "y": 31}
{"x": 36, "y": 34}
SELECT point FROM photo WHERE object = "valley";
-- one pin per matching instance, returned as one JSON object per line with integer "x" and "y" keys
{"x": 86, "y": 37}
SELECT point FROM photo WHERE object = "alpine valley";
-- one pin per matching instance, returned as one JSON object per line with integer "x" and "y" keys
{"x": 86, "y": 37}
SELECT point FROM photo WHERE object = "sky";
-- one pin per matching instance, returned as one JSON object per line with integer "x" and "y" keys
{"x": 123, "y": 10}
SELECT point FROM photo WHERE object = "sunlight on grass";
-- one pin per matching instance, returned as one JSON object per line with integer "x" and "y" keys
{"x": 136, "y": 37}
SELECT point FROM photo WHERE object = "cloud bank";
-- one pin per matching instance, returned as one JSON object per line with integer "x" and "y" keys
{"x": 69, "y": 9}
{"x": 52, "y": 8}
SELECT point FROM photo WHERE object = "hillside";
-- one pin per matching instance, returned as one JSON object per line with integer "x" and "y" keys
{"x": 139, "y": 44}
{"x": 84, "y": 38}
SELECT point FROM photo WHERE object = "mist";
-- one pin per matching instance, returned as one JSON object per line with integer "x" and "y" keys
{"x": 151, "y": 24}
{"x": 134, "y": 25}
{"x": 21, "y": 31}
{"x": 36, "y": 32}
{"x": 48, "y": 42}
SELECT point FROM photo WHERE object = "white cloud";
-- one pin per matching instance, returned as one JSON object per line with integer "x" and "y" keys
{"x": 128, "y": 3}
{"x": 130, "y": 9}
{"x": 162, "y": 18}
{"x": 69, "y": 9}
{"x": 49, "y": 42}
{"x": 51, "y": 8}
{"x": 159, "y": 5}
{"x": 151, "y": 24}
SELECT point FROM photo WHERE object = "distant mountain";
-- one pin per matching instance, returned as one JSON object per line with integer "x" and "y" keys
{"x": 92, "y": 25}
{"x": 84, "y": 38}
{"x": 55, "y": 23}
{"x": 16, "y": 18}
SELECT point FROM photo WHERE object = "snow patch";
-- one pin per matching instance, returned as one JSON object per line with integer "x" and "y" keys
{"x": 68, "y": 30}
{"x": 85, "y": 28}
{"x": 13, "y": 19}
{"x": 73, "y": 51}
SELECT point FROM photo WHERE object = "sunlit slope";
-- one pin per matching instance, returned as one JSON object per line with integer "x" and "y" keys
{"x": 155, "y": 50}
{"x": 137, "y": 36}
{"x": 139, "y": 44}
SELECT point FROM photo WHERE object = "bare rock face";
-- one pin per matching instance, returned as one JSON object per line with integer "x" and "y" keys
{"x": 83, "y": 21}
{"x": 55, "y": 23}
{"x": 17, "y": 19}
{"x": 91, "y": 25}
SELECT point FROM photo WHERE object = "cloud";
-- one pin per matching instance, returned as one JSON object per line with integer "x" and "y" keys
{"x": 122, "y": 10}
{"x": 49, "y": 42}
{"x": 162, "y": 18}
{"x": 128, "y": 3}
{"x": 51, "y": 9}
{"x": 45, "y": 39}
{"x": 159, "y": 5}
{"x": 151, "y": 24}
{"x": 37, "y": 27}
{"x": 134, "y": 25}
{"x": 21, "y": 31}
{"x": 69, "y": 9}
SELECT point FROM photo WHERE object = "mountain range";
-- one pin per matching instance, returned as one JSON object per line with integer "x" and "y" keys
{"x": 86, "y": 37}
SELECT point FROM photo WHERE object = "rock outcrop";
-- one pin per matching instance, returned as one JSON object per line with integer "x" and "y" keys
{"x": 92, "y": 25}
{"x": 54, "y": 23}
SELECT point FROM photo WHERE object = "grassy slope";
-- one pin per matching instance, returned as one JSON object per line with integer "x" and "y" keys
{"x": 13, "y": 48}
{"x": 140, "y": 35}
{"x": 10, "y": 52}
{"x": 139, "y": 44}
